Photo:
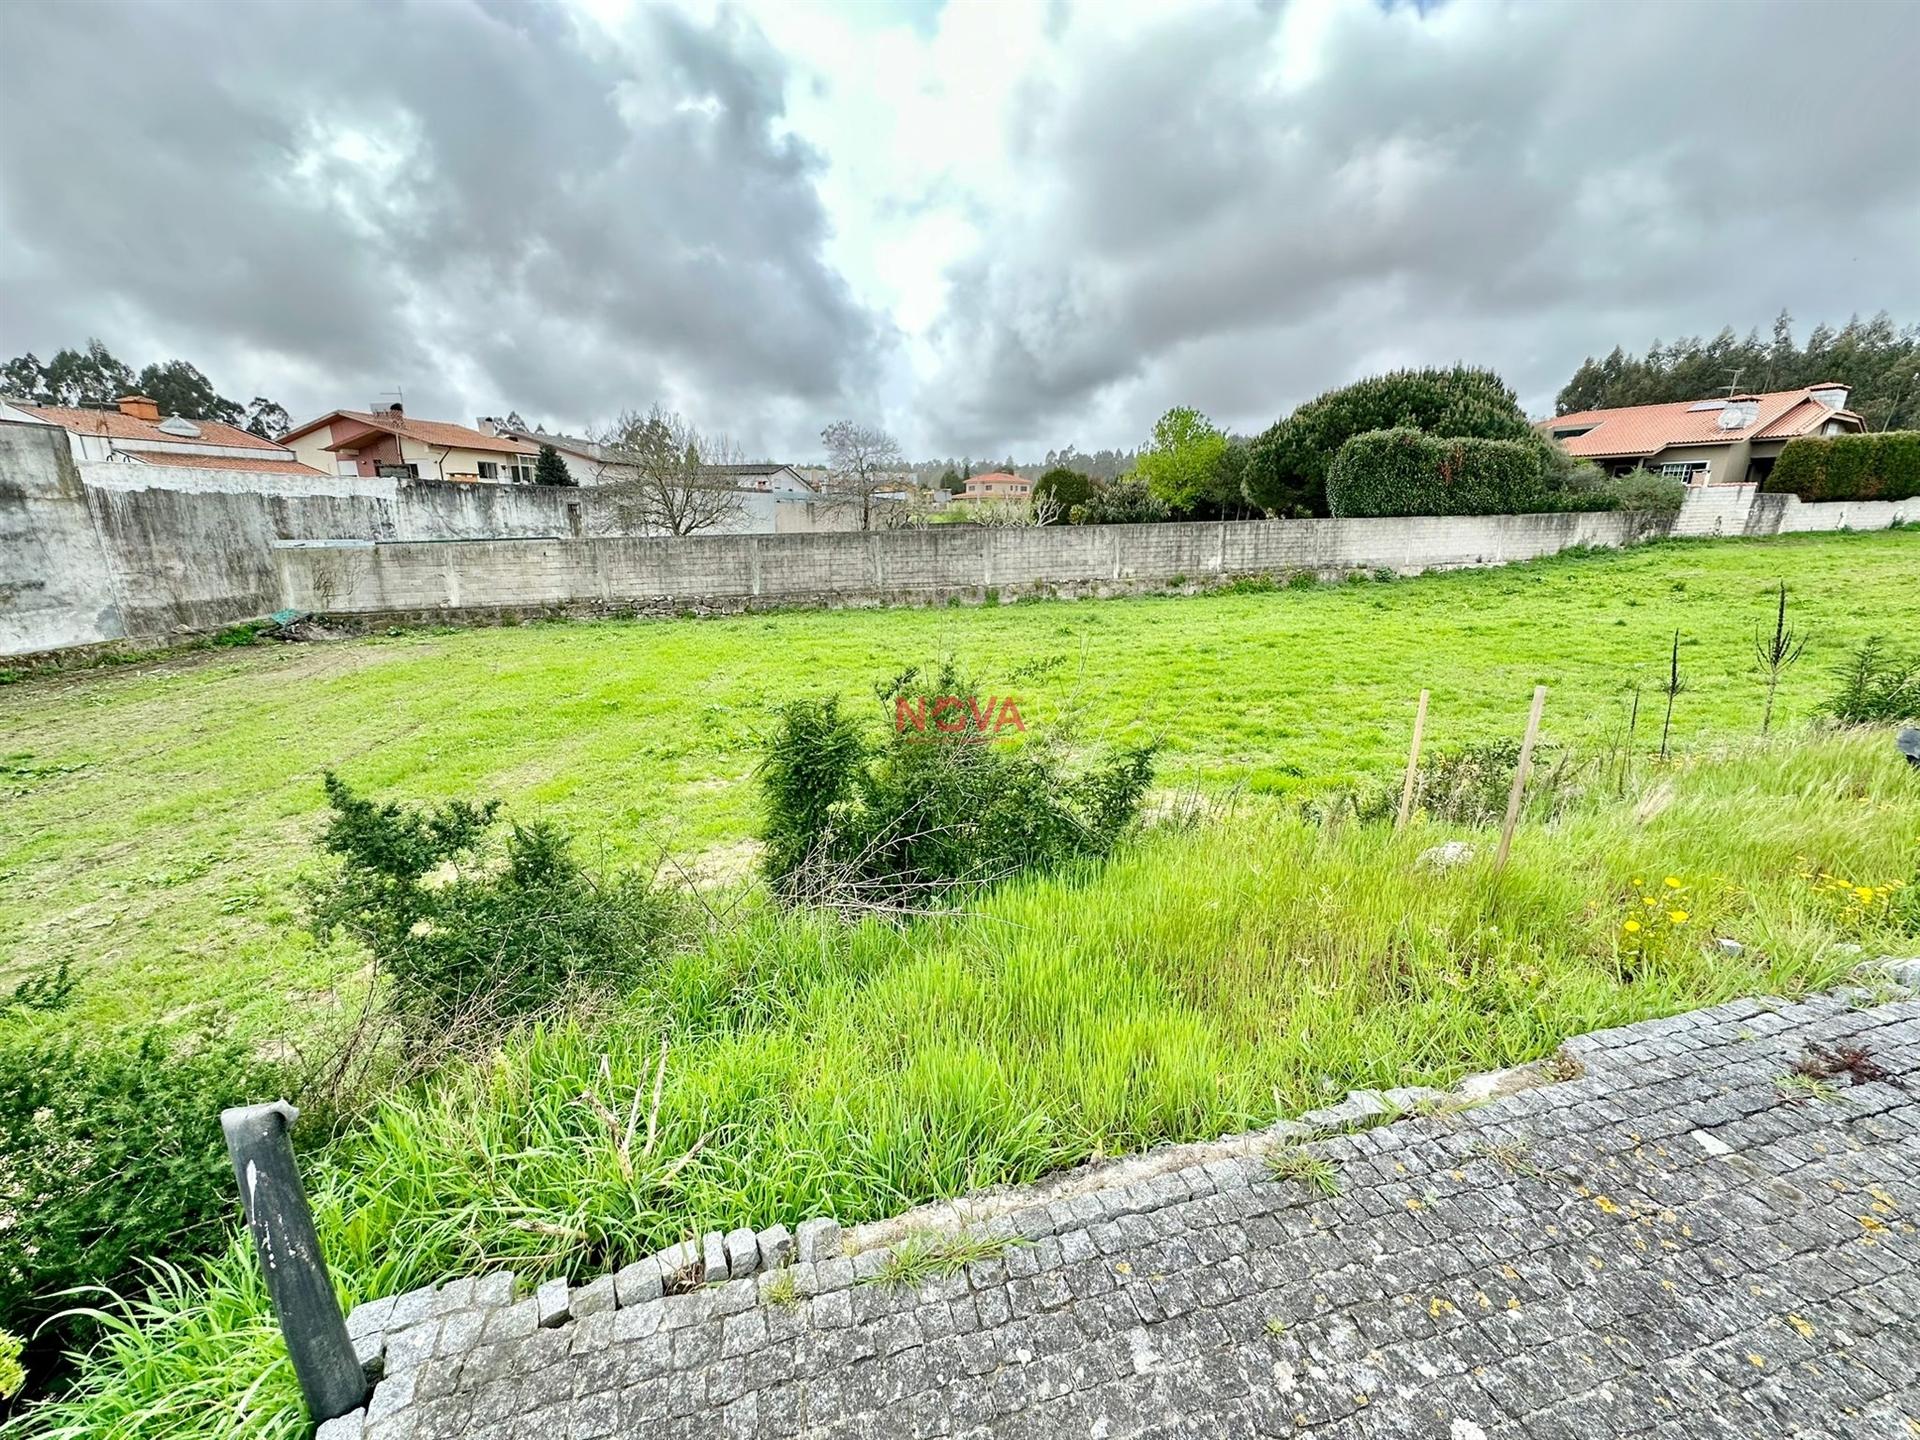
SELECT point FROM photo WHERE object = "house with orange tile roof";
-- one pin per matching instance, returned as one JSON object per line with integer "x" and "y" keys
{"x": 389, "y": 442}
{"x": 1731, "y": 441}
{"x": 134, "y": 433}
{"x": 998, "y": 485}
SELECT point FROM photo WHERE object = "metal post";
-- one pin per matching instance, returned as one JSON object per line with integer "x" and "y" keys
{"x": 331, "y": 1379}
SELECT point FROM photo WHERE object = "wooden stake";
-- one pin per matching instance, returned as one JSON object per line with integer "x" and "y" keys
{"x": 1520, "y": 773}
{"x": 1413, "y": 763}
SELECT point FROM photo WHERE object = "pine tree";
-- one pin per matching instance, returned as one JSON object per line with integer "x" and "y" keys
{"x": 550, "y": 469}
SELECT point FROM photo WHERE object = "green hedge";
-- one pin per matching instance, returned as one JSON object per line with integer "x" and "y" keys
{"x": 1850, "y": 467}
{"x": 1408, "y": 472}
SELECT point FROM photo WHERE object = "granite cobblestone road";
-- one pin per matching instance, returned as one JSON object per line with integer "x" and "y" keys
{"x": 1690, "y": 1238}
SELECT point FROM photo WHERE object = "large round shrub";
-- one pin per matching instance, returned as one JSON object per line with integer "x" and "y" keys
{"x": 1288, "y": 467}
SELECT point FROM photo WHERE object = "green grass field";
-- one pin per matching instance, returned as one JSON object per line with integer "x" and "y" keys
{"x": 153, "y": 816}
{"x": 1215, "y": 975}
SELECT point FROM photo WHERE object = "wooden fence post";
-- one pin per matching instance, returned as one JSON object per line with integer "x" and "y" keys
{"x": 1520, "y": 773}
{"x": 1413, "y": 763}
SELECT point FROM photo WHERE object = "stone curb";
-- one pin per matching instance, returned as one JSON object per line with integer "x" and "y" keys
{"x": 730, "y": 1274}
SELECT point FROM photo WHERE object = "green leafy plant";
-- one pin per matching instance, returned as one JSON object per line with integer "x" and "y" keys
{"x": 12, "y": 1375}
{"x": 1875, "y": 685}
{"x": 110, "y": 1156}
{"x": 856, "y": 823}
{"x": 470, "y": 939}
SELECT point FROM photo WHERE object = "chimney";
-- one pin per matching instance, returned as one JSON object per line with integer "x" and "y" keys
{"x": 394, "y": 409}
{"x": 139, "y": 407}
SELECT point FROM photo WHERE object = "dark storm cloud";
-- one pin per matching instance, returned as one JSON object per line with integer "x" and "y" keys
{"x": 492, "y": 204}
{"x": 1520, "y": 191}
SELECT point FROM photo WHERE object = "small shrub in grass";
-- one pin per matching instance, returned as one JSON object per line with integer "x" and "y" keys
{"x": 1468, "y": 784}
{"x": 859, "y": 823}
{"x": 110, "y": 1156}
{"x": 474, "y": 936}
{"x": 1876, "y": 685}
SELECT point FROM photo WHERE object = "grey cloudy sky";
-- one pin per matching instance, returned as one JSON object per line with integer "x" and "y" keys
{"x": 990, "y": 227}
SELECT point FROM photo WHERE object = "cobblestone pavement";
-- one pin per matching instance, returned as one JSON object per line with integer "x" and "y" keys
{"x": 1675, "y": 1242}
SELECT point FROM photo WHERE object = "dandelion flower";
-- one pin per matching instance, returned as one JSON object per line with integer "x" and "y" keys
{"x": 1632, "y": 927}
{"x": 1865, "y": 892}
{"x": 1673, "y": 882}
{"x": 1678, "y": 917}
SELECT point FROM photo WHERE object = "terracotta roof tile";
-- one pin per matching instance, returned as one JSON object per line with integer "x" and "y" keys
{"x": 1645, "y": 429}
{"x": 116, "y": 426}
{"x": 440, "y": 433}
{"x": 265, "y": 465}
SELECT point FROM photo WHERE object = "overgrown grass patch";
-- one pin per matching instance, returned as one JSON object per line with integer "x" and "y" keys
{"x": 152, "y": 814}
{"x": 1204, "y": 980}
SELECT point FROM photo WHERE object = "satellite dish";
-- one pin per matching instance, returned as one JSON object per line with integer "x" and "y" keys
{"x": 1734, "y": 417}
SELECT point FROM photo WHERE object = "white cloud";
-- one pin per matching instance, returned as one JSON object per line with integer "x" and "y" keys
{"x": 992, "y": 226}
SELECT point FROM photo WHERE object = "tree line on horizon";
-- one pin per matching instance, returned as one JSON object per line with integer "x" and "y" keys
{"x": 1877, "y": 360}
{"x": 92, "y": 378}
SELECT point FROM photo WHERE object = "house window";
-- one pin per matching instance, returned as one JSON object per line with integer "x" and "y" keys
{"x": 489, "y": 470}
{"x": 409, "y": 471}
{"x": 1690, "y": 472}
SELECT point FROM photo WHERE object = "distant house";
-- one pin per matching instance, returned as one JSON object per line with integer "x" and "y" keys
{"x": 997, "y": 485}
{"x": 1705, "y": 442}
{"x": 767, "y": 478}
{"x": 587, "y": 463}
{"x": 391, "y": 443}
{"x": 134, "y": 433}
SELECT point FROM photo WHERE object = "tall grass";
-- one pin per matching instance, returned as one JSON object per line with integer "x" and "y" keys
{"x": 1200, "y": 982}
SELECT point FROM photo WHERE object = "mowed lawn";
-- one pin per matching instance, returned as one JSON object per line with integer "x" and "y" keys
{"x": 152, "y": 818}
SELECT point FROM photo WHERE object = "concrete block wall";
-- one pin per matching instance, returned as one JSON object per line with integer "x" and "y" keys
{"x": 1712, "y": 510}
{"x": 102, "y": 552}
{"x": 739, "y": 572}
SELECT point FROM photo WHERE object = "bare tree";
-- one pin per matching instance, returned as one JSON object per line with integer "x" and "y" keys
{"x": 1014, "y": 514}
{"x": 862, "y": 461}
{"x": 659, "y": 472}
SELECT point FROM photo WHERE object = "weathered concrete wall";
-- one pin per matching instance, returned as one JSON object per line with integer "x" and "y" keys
{"x": 735, "y": 572}
{"x": 99, "y": 552}
{"x": 1742, "y": 510}
{"x": 56, "y": 588}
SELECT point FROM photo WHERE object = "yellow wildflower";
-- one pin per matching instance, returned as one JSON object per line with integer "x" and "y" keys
{"x": 1673, "y": 882}
{"x": 1678, "y": 917}
{"x": 1632, "y": 926}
